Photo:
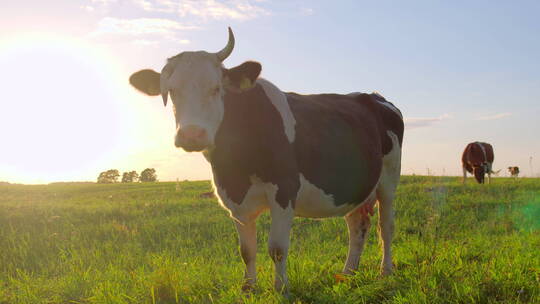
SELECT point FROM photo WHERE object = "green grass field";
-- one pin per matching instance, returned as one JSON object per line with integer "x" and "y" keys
{"x": 148, "y": 243}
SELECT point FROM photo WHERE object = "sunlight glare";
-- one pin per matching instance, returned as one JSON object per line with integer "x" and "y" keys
{"x": 61, "y": 111}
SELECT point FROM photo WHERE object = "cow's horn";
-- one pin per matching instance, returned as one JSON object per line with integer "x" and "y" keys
{"x": 227, "y": 50}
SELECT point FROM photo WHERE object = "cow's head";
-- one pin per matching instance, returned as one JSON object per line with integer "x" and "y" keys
{"x": 197, "y": 83}
{"x": 480, "y": 171}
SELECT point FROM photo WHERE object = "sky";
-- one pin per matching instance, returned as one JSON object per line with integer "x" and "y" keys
{"x": 460, "y": 71}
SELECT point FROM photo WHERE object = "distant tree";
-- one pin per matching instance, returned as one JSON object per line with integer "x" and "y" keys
{"x": 108, "y": 177}
{"x": 148, "y": 175}
{"x": 130, "y": 177}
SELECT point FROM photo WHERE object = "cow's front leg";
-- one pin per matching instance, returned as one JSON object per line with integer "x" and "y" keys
{"x": 278, "y": 244}
{"x": 247, "y": 233}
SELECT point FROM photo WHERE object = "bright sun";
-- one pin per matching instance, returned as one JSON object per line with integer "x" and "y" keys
{"x": 61, "y": 116}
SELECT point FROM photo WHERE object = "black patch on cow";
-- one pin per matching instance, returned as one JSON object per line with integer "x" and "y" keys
{"x": 251, "y": 141}
{"x": 339, "y": 144}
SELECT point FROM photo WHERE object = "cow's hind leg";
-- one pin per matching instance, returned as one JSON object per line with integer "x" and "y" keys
{"x": 386, "y": 226}
{"x": 358, "y": 222}
{"x": 386, "y": 191}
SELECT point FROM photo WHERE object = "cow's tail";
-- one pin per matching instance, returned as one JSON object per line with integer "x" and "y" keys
{"x": 494, "y": 172}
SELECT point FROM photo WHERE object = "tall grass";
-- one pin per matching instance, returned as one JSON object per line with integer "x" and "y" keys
{"x": 148, "y": 243}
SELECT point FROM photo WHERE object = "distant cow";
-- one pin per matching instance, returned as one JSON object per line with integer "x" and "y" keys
{"x": 514, "y": 171}
{"x": 477, "y": 159}
{"x": 312, "y": 156}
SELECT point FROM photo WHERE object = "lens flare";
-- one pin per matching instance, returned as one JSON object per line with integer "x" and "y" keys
{"x": 61, "y": 109}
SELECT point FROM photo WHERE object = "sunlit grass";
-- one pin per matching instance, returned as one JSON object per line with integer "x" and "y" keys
{"x": 148, "y": 243}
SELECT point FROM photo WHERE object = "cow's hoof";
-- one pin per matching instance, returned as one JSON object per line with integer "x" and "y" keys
{"x": 284, "y": 292}
{"x": 386, "y": 271}
{"x": 281, "y": 288}
{"x": 248, "y": 287}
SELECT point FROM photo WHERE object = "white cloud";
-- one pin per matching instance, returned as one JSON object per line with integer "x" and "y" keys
{"x": 141, "y": 26}
{"x": 146, "y": 30}
{"x": 99, "y": 5}
{"x": 103, "y": 2}
{"x": 145, "y": 42}
{"x": 206, "y": 9}
{"x": 420, "y": 122}
{"x": 306, "y": 11}
{"x": 162, "y": 6}
{"x": 495, "y": 116}
{"x": 88, "y": 8}
{"x": 212, "y": 9}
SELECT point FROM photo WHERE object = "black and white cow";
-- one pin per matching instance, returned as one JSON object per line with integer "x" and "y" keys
{"x": 311, "y": 156}
{"x": 514, "y": 171}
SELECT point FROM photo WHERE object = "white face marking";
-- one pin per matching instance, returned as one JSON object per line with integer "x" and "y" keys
{"x": 279, "y": 100}
{"x": 194, "y": 82}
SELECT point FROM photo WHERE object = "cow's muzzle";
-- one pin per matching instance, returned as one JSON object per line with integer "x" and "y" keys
{"x": 191, "y": 138}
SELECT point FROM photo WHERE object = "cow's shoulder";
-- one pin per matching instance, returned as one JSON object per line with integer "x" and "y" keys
{"x": 252, "y": 142}
{"x": 279, "y": 100}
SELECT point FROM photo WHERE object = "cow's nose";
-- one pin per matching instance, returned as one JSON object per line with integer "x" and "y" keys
{"x": 191, "y": 138}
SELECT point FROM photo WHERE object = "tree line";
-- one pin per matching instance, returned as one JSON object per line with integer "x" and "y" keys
{"x": 111, "y": 176}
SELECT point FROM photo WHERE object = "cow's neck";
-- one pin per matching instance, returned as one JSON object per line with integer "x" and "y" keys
{"x": 251, "y": 142}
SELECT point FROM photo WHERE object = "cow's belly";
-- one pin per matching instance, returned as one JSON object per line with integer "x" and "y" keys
{"x": 313, "y": 202}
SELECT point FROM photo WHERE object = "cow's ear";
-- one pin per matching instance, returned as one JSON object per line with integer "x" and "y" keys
{"x": 242, "y": 77}
{"x": 146, "y": 81}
